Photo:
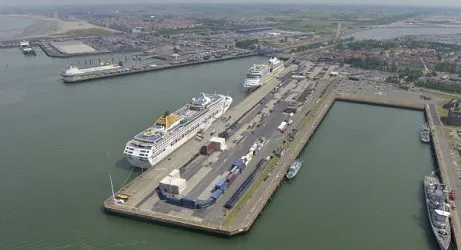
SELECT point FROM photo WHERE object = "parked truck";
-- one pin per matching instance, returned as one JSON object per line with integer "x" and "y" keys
{"x": 282, "y": 127}
{"x": 207, "y": 149}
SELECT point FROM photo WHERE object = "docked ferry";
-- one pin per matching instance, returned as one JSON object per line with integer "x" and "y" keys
{"x": 173, "y": 129}
{"x": 259, "y": 74}
{"x": 75, "y": 71}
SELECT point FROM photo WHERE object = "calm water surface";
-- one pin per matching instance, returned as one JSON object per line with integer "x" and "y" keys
{"x": 360, "y": 187}
{"x": 11, "y": 26}
{"x": 389, "y": 33}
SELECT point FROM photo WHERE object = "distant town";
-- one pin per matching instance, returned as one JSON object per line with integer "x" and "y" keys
{"x": 220, "y": 157}
{"x": 166, "y": 35}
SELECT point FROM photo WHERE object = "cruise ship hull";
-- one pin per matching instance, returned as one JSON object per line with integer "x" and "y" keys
{"x": 264, "y": 79}
{"x": 203, "y": 124}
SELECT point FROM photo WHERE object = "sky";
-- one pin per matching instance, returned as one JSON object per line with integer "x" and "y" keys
{"x": 444, "y": 3}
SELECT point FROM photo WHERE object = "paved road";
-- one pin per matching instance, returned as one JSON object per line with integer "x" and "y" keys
{"x": 451, "y": 173}
{"x": 258, "y": 200}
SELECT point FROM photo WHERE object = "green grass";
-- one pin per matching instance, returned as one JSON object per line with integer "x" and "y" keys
{"x": 442, "y": 95}
{"x": 441, "y": 111}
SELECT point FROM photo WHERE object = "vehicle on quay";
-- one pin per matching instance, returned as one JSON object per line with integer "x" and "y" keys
{"x": 294, "y": 169}
{"x": 425, "y": 133}
{"x": 73, "y": 71}
{"x": 259, "y": 74}
{"x": 173, "y": 129}
{"x": 437, "y": 210}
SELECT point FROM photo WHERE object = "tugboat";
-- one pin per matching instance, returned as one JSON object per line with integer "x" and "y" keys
{"x": 437, "y": 210}
{"x": 425, "y": 133}
{"x": 294, "y": 169}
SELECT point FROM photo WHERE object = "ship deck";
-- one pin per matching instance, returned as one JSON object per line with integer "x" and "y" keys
{"x": 184, "y": 112}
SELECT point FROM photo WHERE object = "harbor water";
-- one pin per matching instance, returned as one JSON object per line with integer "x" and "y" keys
{"x": 13, "y": 26}
{"x": 394, "y": 32}
{"x": 360, "y": 186}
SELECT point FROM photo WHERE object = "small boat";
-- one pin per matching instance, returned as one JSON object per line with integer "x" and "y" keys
{"x": 425, "y": 133}
{"x": 294, "y": 169}
{"x": 437, "y": 210}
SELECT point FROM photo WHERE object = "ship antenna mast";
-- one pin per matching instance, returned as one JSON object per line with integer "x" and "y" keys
{"x": 112, "y": 187}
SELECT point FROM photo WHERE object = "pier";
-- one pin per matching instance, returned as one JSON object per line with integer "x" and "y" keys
{"x": 149, "y": 68}
{"x": 202, "y": 173}
{"x": 448, "y": 172}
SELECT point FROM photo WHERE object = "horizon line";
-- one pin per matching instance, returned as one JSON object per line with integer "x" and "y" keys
{"x": 329, "y": 4}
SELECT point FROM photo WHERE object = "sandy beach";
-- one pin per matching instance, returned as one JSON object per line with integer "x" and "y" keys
{"x": 44, "y": 26}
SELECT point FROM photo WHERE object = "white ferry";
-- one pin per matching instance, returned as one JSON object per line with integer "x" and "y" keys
{"x": 75, "y": 71}
{"x": 259, "y": 74}
{"x": 172, "y": 130}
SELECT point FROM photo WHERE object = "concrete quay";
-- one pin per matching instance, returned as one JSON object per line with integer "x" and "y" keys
{"x": 147, "y": 68}
{"x": 144, "y": 204}
{"x": 439, "y": 146}
{"x": 381, "y": 101}
{"x": 141, "y": 190}
{"x": 52, "y": 52}
{"x": 446, "y": 168}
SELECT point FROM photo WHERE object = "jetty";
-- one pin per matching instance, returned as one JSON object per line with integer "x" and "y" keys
{"x": 237, "y": 207}
{"x": 148, "y": 68}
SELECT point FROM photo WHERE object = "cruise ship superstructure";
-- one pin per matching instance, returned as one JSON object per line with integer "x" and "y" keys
{"x": 259, "y": 74}
{"x": 172, "y": 130}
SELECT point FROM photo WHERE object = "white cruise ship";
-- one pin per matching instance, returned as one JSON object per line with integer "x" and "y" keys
{"x": 259, "y": 74}
{"x": 75, "y": 71}
{"x": 172, "y": 130}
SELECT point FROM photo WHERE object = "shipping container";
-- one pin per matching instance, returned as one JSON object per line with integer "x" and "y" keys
{"x": 161, "y": 193}
{"x": 230, "y": 178}
{"x": 175, "y": 173}
{"x": 206, "y": 203}
{"x": 222, "y": 184}
{"x": 224, "y": 134}
{"x": 173, "y": 200}
{"x": 239, "y": 163}
{"x": 215, "y": 195}
{"x": 245, "y": 185}
{"x": 234, "y": 168}
{"x": 207, "y": 149}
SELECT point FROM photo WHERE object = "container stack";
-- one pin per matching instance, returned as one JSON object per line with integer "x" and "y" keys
{"x": 218, "y": 143}
{"x": 173, "y": 185}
